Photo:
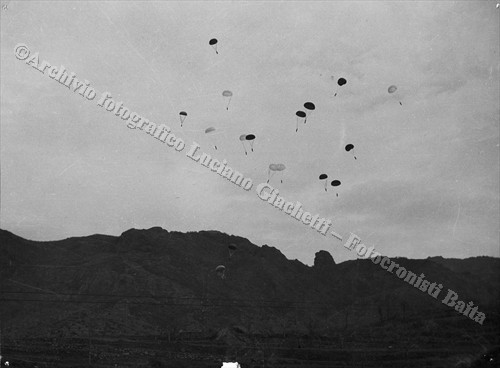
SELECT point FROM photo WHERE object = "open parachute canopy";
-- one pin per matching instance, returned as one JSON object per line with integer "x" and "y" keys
{"x": 250, "y": 138}
{"x": 350, "y": 147}
{"x": 300, "y": 115}
{"x": 341, "y": 82}
{"x": 247, "y": 137}
{"x": 273, "y": 169}
{"x": 220, "y": 270}
{"x": 393, "y": 89}
{"x": 229, "y": 95}
{"x": 213, "y": 42}
{"x": 232, "y": 248}
{"x": 211, "y": 131}
{"x": 324, "y": 177}
{"x": 335, "y": 183}
{"x": 182, "y": 116}
{"x": 309, "y": 106}
{"x": 277, "y": 167}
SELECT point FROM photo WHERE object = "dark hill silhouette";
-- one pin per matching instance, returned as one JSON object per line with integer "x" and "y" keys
{"x": 160, "y": 284}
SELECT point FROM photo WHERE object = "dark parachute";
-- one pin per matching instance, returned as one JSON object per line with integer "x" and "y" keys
{"x": 182, "y": 116}
{"x": 250, "y": 138}
{"x": 309, "y": 106}
{"x": 213, "y": 42}
{"x": 300, "y": 115}
{"x": 335, "y": 183}
{"x": 350, "y": 147}
{"x": 324, "y": 177}
{"x": 232, "y": 248}
{"x": 210, "y": 130}
{"x": 341, "y": 82}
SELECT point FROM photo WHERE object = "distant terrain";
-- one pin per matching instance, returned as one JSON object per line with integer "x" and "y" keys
{"x": 152, "y": 298}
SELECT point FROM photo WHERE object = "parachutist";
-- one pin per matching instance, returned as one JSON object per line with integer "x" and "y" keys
{"x": 274, "y": 168}
{"x": 301, "y": 115}
{"x": 213, "y": 43}
{"x": 229, "y": 94}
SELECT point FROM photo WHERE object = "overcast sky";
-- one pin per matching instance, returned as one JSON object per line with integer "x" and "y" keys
{"x": 426, "y": 178}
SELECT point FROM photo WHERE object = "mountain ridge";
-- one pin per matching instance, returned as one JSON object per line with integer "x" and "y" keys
{"x": 153, "y": 282}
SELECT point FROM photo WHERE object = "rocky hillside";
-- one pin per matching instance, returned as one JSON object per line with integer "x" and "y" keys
{"x": 159, "y": 283}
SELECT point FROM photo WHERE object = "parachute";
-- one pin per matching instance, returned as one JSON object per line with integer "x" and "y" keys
{"x": 273, "y": 168}
{"x": 341, "y": 82}
{"x": 336, "y": 183}
{"x": 232, "y": 248}
{"x": 300, "y": 115}
{"x": 393, "y": 89}
{"x": 182, "y": 116}
{"x": 243, "y": 138}
{"x": 213, "y": 43}
{"x": 229, "y": 94}
{"x": 221, "y": 271}
{"x": 250, "y": 138}
{"x": 324, "y": 177}
{"x": 247, "y": 137}
{"x": 210, "y": 130}
{"x": 309, "y": 106}
{"x": 350, "y": 147}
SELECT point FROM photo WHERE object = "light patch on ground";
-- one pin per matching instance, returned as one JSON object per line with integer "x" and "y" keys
{"x": 230, "y": 365}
